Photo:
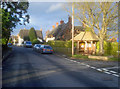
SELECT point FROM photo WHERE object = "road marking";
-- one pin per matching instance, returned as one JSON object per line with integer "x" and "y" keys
{"x": 63, "y": 55}
{"x": 107, "y": 72}
{"x": 105, "y": 69}
{"x": 83, "y": 63}
{"x": 99, "y": 70}
{"x": 71, "y": 60}
{"x": 115, "y": 75}
{"x": 66, "y": 58}
{"x": 88, "y": 65}
{"x": 111, "y": 67}
{"x": 74, "y": 61}
{"x": 112, "y": 71}
{"x": 93, "y": 67}
{"x": 78, "y": 62}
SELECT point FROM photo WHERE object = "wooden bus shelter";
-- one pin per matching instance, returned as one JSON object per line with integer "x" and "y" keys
{"x": 86, "y": 42}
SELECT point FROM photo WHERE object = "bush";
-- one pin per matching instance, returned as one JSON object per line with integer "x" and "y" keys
{"x": 57, "y": 43}
{"x": 35, "y": 41}
{"x": 110, "y": 48}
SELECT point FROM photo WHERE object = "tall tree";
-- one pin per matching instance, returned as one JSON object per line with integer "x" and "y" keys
{"x": 32, "y": 34}
{"x": 100, "y": 17}
{"x": 13, "y": 13}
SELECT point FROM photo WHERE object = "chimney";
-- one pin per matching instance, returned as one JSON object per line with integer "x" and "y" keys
{"x": 53, "y": 26}
{"x": 69, "y": 19}
{"x": 61, "y": 22}
{"x": 57, "y": 24}
{"x": 41, "y": 29}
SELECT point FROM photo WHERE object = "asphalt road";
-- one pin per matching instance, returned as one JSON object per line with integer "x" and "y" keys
{"x": 27, "y": 68}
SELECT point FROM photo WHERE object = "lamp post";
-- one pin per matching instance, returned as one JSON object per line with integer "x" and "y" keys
{"x": 72, "y": 29}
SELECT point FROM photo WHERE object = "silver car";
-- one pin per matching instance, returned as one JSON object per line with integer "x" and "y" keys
{"x": 36, "y": 47}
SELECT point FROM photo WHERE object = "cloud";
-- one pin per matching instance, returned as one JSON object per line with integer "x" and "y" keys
{"x": 54, "y": 7}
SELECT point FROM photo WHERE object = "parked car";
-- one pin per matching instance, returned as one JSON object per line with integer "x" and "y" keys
{"x": 9, "y": 45}
{"x": 46, "y": 49}
{"x": 36, "y": 47}
{"x": 28, "y": 44}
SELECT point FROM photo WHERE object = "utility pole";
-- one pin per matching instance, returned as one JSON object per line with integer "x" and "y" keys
{"x": 72, "y": 29}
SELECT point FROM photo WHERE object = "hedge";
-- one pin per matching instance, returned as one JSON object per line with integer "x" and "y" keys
{"x": 110, "y": 48}
{"x": 65, "y": 44}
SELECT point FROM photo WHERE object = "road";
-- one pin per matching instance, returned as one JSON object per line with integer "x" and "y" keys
{"x": 27, "y": 68}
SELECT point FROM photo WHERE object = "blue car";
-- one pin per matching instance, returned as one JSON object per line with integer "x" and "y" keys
{"x": 46, "y": 49}
{"x": 28, "y": 44}
{"x": 9, "y": 45}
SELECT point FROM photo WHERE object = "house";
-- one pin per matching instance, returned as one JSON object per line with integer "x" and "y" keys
{"x": 63, "y": 31}
{"x": 24, "y": 33}
{"x": 14, "y": 39}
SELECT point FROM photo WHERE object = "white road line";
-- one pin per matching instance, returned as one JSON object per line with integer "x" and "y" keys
{"x": 107, "y": 72}
{"x": 111, "y": 67}
{"x": 83, "y": 64}
{"x": 74, "y": 61}
{"x": 66, "y": 58}
{"x": 112, "y": 71}
{"x": 71, "y": 60}
{"x": 93, "y": 67}
{"x": 88, "y": 65}
{"x": 99, "y": 70}
{"x": 78, "y": 62}
{"x": 115, "y": 75}
{"x": 63, "y": 55}
{"x": 105, "y": 69}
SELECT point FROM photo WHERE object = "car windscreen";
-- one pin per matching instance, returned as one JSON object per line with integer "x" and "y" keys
{"x": 38, "y": 45}
{"x": 28, "y": 43}
{"x": 49, "y": 47}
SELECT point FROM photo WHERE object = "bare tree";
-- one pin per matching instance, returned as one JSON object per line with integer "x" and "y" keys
{"x": 100, "y": 17}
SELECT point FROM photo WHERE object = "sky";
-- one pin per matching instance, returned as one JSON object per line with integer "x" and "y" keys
{"x": 43, "y": 15}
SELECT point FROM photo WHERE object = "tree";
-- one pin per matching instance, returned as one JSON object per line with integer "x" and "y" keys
{"x": 26, "y": 38}
{"x": 100, "y": 17}
{"x": 32, "y": 34}
{"x": 13, "y": 13}
{"x": 10, "y": 40}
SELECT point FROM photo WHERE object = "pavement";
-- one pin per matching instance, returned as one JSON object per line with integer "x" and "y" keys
{"x": 27, "y": 68}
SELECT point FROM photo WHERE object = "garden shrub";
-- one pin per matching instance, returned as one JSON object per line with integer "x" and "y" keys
{"x": 110, "y": 48}
{"x": 35, "y": 41}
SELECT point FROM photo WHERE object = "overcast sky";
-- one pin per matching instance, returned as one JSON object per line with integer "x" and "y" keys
{"x": 44, "y": 15}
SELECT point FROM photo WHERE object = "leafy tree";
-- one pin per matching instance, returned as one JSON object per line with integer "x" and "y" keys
{"x": 13, "y": 13}
{"x": 100, "y": 17}
{"x": 10, "y": 40}
{"x": 32, "y": 34}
